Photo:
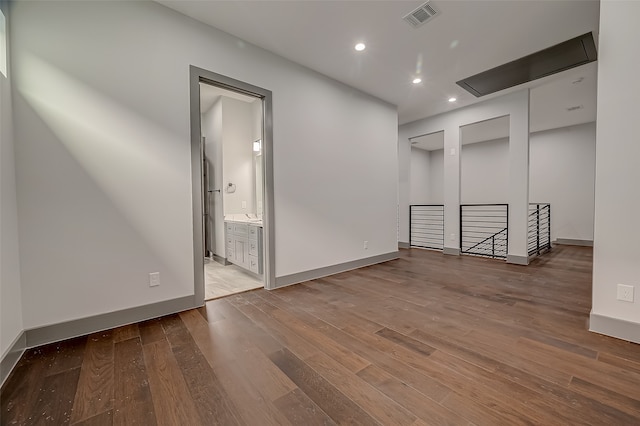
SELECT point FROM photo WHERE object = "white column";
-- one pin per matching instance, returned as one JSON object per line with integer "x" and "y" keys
{"x": 519, "y": 180}
{"x": 404, "y": 171}
{"x": 452, "y": 189}
{"x": 617, "y": 200}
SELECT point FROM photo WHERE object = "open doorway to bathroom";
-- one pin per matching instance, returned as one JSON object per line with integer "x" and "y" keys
{"x": 234, "y": 235}
{"x": 231, "y": 127}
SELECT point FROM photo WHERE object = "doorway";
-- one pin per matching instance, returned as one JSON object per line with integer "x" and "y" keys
{"x": 232, "y": 185}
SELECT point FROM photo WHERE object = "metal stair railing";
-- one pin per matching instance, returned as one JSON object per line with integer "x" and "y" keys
{"x": 484, "y": 230}
{"x": 426, "y": 226}
{"x": 539, "y": 228}
{"x": 492, "y": 246}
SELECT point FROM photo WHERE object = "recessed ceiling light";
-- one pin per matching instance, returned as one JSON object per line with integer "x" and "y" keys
{"x": 360, "y": 47}
{"x": 452, "y": 99}
{"x": 417, "y": 80}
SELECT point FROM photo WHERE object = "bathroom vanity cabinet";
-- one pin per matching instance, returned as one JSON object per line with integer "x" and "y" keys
{"x": 244, "y": 245}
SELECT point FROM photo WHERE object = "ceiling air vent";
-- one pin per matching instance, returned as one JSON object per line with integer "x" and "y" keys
{"x": 421, "y": 15}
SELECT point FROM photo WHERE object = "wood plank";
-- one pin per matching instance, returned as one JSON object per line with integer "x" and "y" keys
{"x": 333, "y": 402}
{"x": 220, "y": 343}
{"x": 260, "y": 338}
{"x": 21, "y": 389}
{"x": 53, "y": 405}
{"x": 411, "y": 399}
{"x": 310, "y": 329}
{"x": 408, "y": 357}
{"x": 301, "y": 410}
{"x": 619, "y": 361}
{"x": 103, "y": 419}
{"x": 392, "y": 360}
{"x": 210, "y": 311}
{"x": 479, "y": 414}
{"x": 69, "y": 354}
{"x": 625, "y": 403}
{"x": 133, "y": 402}
{"x": 211, "y": 400}
{"x": 425, "y": 339}
{"x": 582, "y": 407}
{"x": 381, "y": 352}
{"x": 505, "y": 350}
{"x": 172, "y": 402}
{"x": 456, "y": 349}
{"x": 370, "y": 399}
{"x": 151, "y": 331}
{"x": 335, "y": 311}
{"x": 126, "y": 332}
{"x": 406, "y": 341}
{"x": 287, "y": 338}
{"x": 616, "y": 379}
{"x": 516, "y": 399}
{"x": 95, "y": 393}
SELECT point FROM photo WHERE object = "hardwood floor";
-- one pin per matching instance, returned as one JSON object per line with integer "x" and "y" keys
{"x": 424, "y": 340}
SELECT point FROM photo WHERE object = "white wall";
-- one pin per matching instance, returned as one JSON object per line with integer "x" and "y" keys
{"x": 561, "y": 167}
{"x": 420, "y": 176}
{"x": 237, "y": 156}
{"x": 617, "y": 198}
{"x": 436, "y": 177}
{"x": 10, "y": 294}
{"x": 258, "y": 179}
{"x": 516, "y": 105}
{"x": 562, "y": 172}
{"x": 104, "y": 184}
{"x": 211, "y": 129}
{"x": 484, "y": 172}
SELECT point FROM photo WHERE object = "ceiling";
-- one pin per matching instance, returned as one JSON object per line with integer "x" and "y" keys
{"x": 210, "y": 94}
{"x": 467, "y": 37}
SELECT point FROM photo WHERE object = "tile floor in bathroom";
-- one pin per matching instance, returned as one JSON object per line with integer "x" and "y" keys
{"x": 220, "y": 280}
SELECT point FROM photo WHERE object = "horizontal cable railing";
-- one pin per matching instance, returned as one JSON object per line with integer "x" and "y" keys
{"x": 539, "y": 228}
{"x": 426, "y": 226}
{"x": 484, "y": 230}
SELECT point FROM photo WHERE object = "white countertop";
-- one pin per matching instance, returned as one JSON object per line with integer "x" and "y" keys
{"x": 243, "y": 218}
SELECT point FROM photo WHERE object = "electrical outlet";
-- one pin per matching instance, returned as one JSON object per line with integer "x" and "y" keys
{"x": 244, "y": 204}
{"x": 625, "y": 292}
{"x": 452, "y": 237}
{"x": 366, "y": 245}
{"x": 154, "y": 279}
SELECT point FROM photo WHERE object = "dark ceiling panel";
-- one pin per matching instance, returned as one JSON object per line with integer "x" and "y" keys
{"x": 569, "y": 54}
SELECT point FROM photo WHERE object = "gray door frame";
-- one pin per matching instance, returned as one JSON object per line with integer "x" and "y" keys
{"x": 197, "y": 76}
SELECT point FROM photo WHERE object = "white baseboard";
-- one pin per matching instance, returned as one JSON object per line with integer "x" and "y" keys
{"x": 614, "y": 327}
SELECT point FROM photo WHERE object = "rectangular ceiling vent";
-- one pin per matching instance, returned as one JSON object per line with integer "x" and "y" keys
{"x": 421, "y": 15}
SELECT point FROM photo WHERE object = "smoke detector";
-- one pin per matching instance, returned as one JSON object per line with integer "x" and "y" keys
{"x": 421, "y": 15}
